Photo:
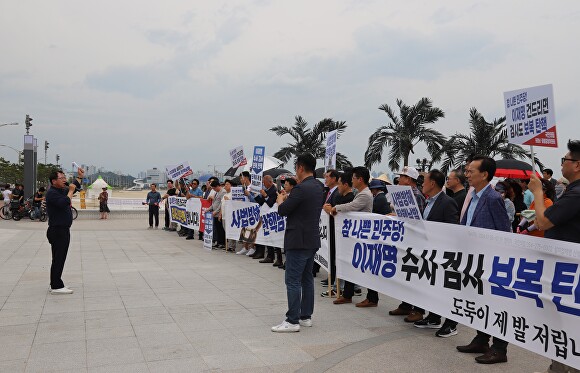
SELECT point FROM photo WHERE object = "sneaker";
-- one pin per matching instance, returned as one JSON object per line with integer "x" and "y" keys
{"x": 428, "y": 324}
{"x": 357, "y": 292}
{"x": 251, "y": 252}
{"x": 446, "y": 331}
{"x": 63, "y": 290}
{"x": 326, "y": 294}
{"x": 324, "y": 282}
{"x": 307, "y": 323}
{"x": 242, "y": 251}
{"x": 286, "y": 327}
{"x": 150, "y": 228}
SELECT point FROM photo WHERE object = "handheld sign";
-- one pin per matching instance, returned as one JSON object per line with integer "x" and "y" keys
{"x": 257, "y": 169}
{"x": 237, "y": 156}
{"x": 530, "y": 116}
{"x": 179, "y": 171}
{"x": 330, "y": 156}
{"x": 404, "y": 202}
{"x": 208, "y": 230}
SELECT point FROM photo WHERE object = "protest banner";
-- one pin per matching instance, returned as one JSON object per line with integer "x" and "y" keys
{"x": 404, "y": 201}
{"x": 257, "y": 169}
{"x": 126, "y": 204}
{"x": 238, "y": 193}
{"x": 322, "y": 256}
{"x": 208, "y": 230}
{"x": 237, "y": 157}
{"x": 205, "y": 205}
{"x": 178, "y": 171}
{"x": 519, "y": 288}
{"x": 330, "y": 155}
{"x": 249, "y": 222}
{"x": 185, "y": 212}
{"x": 530, "y": 116}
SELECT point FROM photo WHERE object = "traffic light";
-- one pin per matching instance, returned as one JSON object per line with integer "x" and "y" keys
{"x": 28, "y": 122}
{"x": 45, "y": 145}
{"x": 57, "y": 158}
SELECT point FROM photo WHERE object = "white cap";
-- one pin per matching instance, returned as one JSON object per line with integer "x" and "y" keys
{"x": 409, "y": 171}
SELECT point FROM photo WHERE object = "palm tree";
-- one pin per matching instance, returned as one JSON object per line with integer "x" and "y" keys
{"x": 404, "y": 132}
{"x": 310, "y": 140}
{"x": 486, "y": 138}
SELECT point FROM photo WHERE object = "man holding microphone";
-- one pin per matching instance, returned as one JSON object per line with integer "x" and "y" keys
{"x": 58, "y": 208}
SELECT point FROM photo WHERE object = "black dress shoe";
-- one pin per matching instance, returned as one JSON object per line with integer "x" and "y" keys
{"x": 474, "y": 348}
{"x": 258, "y": 256}
{"x": 267, "y": 260}
{"x": 492, "y": 357}
{"x": 277, "y": 263}
{"x": 189, "y": 238}
{"x": 283, "y": 266}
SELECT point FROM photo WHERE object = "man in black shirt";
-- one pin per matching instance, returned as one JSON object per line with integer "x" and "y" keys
{"x": 455, "y": 187}
{"x": 58, "y": 203}
{"x": 170, "y": 192}
{"x": 17, "y": 196}
{"x": 37, "y": 202}
{"x": 561, "y": 221}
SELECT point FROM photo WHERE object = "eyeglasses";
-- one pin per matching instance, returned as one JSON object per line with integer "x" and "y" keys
{"x": 450, "y": 177}
{"x": 569, "y": 159}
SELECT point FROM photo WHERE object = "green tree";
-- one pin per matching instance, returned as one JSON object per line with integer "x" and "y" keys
{"x": 486, "y": 138}
{"x": 11, "y": 172}
{"x": 310, "y": 140}
{"x": 43, "y": 172}
{"x": 404, "y": 132}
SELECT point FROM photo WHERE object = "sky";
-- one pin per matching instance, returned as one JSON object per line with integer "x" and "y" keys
{"x": 135, "y": 84}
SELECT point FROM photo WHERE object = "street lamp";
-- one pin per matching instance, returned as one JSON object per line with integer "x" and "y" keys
{"x": 9, "y": 124}
{"x": 422, "y": 164}
{"x": 16, "y": 150}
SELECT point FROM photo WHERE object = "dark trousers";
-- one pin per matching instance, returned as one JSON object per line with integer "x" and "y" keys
{"x": 219, "y": 235}
{"x": 269, "y": 252}
{"x": 498, "y": 344}
{"x": 153, "y": 213}
{"x": 59, "y": 239}
{"x": 167, "y": 220}
{"x": 299, "y": 284}
{"x": 372, "y": 296}
{"x": 348, "y": 290}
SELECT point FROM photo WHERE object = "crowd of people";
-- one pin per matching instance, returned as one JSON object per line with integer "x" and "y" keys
{"x": 467, "y": 196}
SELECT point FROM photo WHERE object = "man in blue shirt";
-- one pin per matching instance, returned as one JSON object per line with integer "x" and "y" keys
{"x": 153, "y": 200}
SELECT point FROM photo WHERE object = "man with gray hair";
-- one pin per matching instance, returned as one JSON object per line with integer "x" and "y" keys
{"x": 268, "y": 196}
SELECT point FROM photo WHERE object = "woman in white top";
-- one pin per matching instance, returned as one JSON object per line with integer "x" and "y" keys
{"x": 6, "y": 193}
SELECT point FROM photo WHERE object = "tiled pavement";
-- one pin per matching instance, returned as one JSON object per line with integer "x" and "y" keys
{"x": 148, "y": 301}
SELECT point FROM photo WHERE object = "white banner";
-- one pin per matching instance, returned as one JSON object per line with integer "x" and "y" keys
{"x": 257, "y": 169}
{"x": 404, "y": 201}
{"x": 322, "y": 256}
{"x": 330, "y": 156}
{"x": 250, "y": 222}
{"x": 124, "y": 204}
{"x": 530, "y": 116}
{"x": 176, "y": 172}
{"x": 185, "y": 212}
{"x": 522, "y": 289}
{"x": 237, "y": 156}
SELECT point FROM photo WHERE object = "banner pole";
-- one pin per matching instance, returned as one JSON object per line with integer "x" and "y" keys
{"x": 533, "y": 160}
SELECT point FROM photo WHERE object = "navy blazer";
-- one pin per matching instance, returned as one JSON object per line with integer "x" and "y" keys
{"x": 272, "y": 195}
{"x": 302, "y": 210}
{"x": 444, "y": 210}
{"x": 490, "y": 212}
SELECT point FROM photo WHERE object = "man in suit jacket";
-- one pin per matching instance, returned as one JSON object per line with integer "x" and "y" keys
{"x": 301, "y": 241}
{"x": 440, "y": 208}
{"x": 268, "y": 196}
{"x": 331, "y": 182}
{"x": 486, "y": 210}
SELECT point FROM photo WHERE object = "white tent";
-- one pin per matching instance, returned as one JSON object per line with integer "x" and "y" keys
{"x": 96, "y": 188}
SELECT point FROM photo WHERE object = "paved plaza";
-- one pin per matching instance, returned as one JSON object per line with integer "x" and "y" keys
{"x": 150, "y": 301}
